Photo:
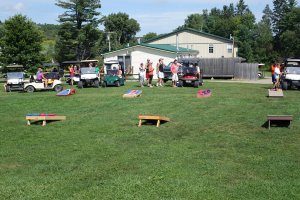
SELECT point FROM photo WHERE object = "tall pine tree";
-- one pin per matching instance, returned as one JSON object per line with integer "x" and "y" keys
{"x": 79, "y": 33}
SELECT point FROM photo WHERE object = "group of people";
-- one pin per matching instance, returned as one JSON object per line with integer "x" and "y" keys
{"x": 276, "y": 72}
{"x": 146, "y": 72}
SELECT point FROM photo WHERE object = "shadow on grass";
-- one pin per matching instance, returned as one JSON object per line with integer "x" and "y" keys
{"x": 153, "y": 122}
{"x": 276, "y": 124}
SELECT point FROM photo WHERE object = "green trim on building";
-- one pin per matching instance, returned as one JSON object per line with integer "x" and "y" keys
{"x": 162, "y": 47}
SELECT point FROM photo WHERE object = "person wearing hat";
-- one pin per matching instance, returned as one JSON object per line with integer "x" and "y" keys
{"x": 160, "y": 72}
{"x": 174, "y": 71}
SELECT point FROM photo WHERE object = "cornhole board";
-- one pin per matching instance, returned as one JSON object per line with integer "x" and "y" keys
{"x": 66, "y": 92}
{"x": 158, "y": 118}
{"x": 44, "y": 119}
{"x": 204, "y": 93}
{"x": 270, "y": 118}
{"x": 132, "y": 93}
{"x": 275, "y": 93}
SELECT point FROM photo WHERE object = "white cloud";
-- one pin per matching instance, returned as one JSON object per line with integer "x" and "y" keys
{"x": 18, "y": 7}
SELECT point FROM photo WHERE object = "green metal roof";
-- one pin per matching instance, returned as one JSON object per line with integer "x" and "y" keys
{"x": 162, "y": 47}
{"x": 190, "y": 30}
{"x": 168, "y": 47}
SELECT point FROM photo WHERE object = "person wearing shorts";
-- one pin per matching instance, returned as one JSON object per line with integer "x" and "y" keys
{"x": 160, "y": 72}
{"x": 174, "y": 71}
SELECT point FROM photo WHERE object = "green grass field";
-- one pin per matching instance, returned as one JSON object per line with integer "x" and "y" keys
{"x": 213, "y": 148}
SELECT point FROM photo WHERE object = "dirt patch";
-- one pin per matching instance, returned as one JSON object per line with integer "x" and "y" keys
{"x": 5, "y": 166}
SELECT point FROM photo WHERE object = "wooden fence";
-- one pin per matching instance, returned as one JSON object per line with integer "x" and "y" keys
{"x": 225, "y": 68}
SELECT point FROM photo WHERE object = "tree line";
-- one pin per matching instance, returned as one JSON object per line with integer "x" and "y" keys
{"x": 78, "y": 35}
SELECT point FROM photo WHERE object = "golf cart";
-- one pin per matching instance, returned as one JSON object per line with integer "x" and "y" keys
{"x": 290, "y": 77}
{"x": 113, "y": 74}
{"x": 14, "y": 78}
{"x": 188, "y": 76}
{"x": 53, "y": 83}
{"x": 190, "y": 72}
{"x": 88, "y": 77}
{"x": 67, "y": 77}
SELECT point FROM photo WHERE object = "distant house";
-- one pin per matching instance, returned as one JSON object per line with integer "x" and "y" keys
{"x": 182, "y": 43}
{"x": 207, "y": 45}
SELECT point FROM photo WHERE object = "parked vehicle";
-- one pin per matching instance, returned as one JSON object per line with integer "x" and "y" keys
{"x": 290, "y": 77}
{"x": 88, "y": 77}
{"x": 187, "y": 74}
{"x": 14, "y": 78}
{"x": 53, "y": 84}
{"x": 189, "y": 77}
{"x": 113, "y": 74}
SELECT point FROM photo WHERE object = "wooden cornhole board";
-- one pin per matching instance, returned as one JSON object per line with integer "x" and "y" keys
{"x": 270, "y": 118}
{"x": 153, "y": 117}
{"x": 132, "y": 93}
{"x": 275, "y": 93}
{"x": 44, "y": 119}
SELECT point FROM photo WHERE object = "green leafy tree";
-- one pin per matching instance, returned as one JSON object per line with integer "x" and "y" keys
{"x": 194, "y": 21}
{"x": 149, "y": 36}
{"x": 263, "y": 39}
{"x": 123, "y": 27}
{"x": 80, "y": 20}
{"x": 21, "y": 42}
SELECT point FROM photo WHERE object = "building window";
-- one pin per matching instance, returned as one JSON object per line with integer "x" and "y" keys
{"x": 229, "y": 48}
{"x": 211, "y": 48}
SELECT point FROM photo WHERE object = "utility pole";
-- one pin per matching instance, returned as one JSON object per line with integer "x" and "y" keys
{"x": 108, "y": 38}
{"x": 232, "y": 38}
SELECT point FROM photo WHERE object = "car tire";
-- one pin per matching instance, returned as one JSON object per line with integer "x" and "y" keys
{"x": 29, "y": 89}
{"x": 80, "y": 84}
{"x": 58, "y": 88}
{"x": 104, "y": 84}
{"x": 117, "y": 83}
{"x": 196, "y": 84}
{"x": 96, "y": 83}
{"x": 284, "y": 85}
{"x": 180, "y": 83}
{"x": 7, "y": 88}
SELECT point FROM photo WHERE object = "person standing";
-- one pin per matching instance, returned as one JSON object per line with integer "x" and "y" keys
{"x": 142, "y": 74}
{"x": 277, "y": 76}
{"x": 174, "y": 71}
{"x": 72, "y": 74}
{"x": 151, "y": 71}
{"x": 160, "y": 72}
{"x": 273, "y": 74}
{"x": 147, "y": 70}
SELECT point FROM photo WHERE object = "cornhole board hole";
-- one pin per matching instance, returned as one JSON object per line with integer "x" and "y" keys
{"x": 279, "y": 118}
{"x": 157, "y": 118}
{"x": 275, "y": 93}
{"x": 204, "y": 93}
{"x": 66, "y": 92}
{"x": 43, "y": 118}
{"x": 132, "y": 93}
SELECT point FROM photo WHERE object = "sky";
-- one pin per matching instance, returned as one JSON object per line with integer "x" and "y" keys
{"x": 158, "y": 16}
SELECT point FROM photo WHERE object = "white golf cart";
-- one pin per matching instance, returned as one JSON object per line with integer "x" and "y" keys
{"x": 53, "y": 84}
{"x": 14, "y": 78}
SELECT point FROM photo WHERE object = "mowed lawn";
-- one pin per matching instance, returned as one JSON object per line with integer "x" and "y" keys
{"x": 213, "y": 148}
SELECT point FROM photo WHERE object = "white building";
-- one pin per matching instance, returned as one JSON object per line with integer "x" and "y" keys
{"x": 135, "y": 55}
{"x": 182, "y": 43}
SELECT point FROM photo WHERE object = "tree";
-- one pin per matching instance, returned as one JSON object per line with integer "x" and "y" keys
{"x": 125, "y": 28}
{"x": 81, "y": 21}
{"x": 194, "y": 21}
{"x": 21, "y": 42}
{"x": 149, "y": 36}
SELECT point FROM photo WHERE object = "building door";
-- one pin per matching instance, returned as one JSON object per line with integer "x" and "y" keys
{"x": 125, "y": 62}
